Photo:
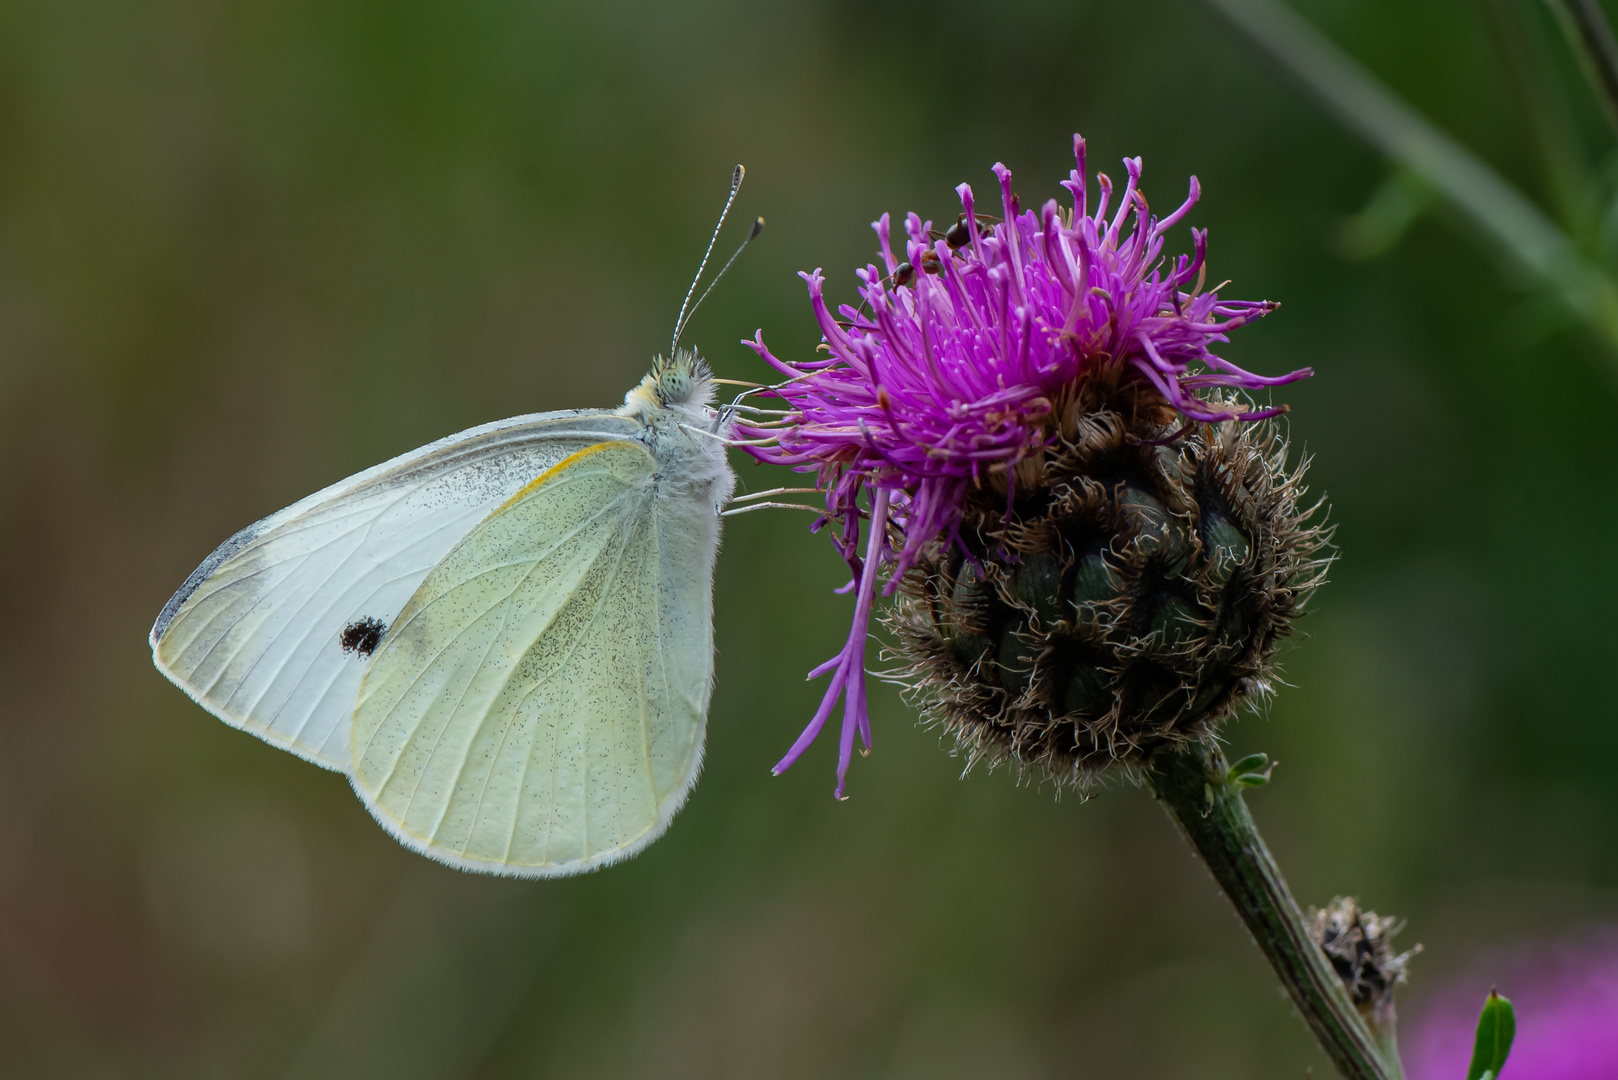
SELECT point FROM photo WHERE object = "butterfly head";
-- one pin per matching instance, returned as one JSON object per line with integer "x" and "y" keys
{"x": 682, "y": 380}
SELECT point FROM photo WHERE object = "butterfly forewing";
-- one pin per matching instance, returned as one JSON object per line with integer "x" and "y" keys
{"x": 256, "y": 635}
{"x": 538, "y": 708}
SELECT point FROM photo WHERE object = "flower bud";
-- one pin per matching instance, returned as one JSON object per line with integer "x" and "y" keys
{"x": 1359, "y": 945}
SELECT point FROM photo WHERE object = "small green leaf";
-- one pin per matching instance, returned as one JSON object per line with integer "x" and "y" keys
{"x": 1250, "y": 763}
{"x": 1251, "y": 771}
{"x": 1497, "y": 1026}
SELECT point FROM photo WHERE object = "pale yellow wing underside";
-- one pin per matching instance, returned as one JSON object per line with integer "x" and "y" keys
{"x": 538, "y": 707}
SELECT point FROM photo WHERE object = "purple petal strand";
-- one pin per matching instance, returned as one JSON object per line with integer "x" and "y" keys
{"x": 848, "y": 667}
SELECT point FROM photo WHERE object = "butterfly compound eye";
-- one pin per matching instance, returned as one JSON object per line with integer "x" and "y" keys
{"x": 676, "y": 386}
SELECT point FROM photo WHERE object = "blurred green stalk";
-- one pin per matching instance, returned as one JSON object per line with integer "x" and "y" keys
{"x": 1195, "y": 785}
{"x": 1586, "y": 27}
{"x": 1520, "y": 229}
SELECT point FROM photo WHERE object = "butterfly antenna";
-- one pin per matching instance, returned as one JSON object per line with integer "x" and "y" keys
{"x": 679, "y": 323}
{"x": 758, "y": 227}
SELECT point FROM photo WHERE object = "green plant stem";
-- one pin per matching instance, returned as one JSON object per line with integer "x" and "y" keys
{"x": 1389, "y": 1042}
{"x": 1193, "y": 786}
{"x": 1514, "y": 224}
{"x": 1586, "y": 25}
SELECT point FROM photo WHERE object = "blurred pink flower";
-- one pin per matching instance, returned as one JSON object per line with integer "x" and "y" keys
{"x": 1566, "y": 999}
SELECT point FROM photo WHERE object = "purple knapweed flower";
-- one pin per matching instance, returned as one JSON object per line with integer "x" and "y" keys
{"x": 951, "y": 368}
{"x": 1566, "y": 1001}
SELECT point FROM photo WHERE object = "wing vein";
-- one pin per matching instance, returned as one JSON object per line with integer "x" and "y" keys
{"x": 505, "y": 620}
{"x": 662, "y": 659}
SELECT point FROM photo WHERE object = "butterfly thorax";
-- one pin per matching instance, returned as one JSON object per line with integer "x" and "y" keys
{"x": 674, "y": 402}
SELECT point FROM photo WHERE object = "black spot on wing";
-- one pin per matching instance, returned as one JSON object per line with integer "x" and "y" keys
{"x": 200, "y": 574}
{"x": 362, "y": 637}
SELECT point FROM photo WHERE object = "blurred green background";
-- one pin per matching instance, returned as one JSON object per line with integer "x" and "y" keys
{"x": 249, "y": 248}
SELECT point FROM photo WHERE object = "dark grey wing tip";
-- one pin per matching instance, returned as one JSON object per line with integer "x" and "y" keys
{"x": 198, "y": 576}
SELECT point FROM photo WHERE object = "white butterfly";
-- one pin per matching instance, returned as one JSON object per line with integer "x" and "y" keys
{"x": 504, "y": 638}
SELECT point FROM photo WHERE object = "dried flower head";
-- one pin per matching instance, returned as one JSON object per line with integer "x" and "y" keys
{"x": 1359, "y": 945}
{"x": 1046, "y": 447}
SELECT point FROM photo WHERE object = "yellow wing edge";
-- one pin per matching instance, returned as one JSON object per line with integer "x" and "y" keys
{"x": 556, "y": 470}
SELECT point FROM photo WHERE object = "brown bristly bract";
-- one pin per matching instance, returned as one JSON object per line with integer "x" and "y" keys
{"x": 1134, "y": 596}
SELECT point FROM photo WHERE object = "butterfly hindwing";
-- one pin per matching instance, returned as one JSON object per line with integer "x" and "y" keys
{"x": 271, "y": 632}
{"x": 538, "y": 708}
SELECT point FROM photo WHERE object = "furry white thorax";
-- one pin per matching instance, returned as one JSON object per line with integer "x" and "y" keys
{"x": 675, "y": 397}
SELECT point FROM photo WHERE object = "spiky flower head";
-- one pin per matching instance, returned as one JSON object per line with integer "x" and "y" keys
{"x": 1010, "y": 397}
